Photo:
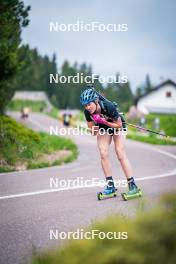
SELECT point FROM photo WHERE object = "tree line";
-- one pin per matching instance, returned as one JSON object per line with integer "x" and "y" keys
{"x": 35, "y": 75}
{"x": 23, "y": 68}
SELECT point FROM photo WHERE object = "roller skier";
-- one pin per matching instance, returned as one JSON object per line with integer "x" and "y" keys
{"x": 105, "y": 121}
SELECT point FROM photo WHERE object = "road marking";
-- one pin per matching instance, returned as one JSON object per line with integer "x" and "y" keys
{"x": 161, "y": 151}
{"x": 74, "y": 165}
{"x": 172, "y": 173}
{"x": 18, "y": 195}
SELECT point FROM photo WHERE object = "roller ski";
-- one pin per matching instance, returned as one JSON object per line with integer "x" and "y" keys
{"x": 134, "y": 191}
{"x": 108, "y": 192}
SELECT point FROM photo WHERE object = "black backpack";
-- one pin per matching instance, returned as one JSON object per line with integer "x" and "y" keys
{"x": 102, "y": 101}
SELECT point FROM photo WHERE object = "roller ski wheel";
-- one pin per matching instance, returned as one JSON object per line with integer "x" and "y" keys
{"x": 132, "y": 195}
{"x": 105, "y": 195}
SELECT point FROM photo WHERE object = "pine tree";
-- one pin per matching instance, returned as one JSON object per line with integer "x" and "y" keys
{"x": 13, "y": 17}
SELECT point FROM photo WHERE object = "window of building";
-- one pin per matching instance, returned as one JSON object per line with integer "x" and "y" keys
{"x": 168, "y": 94}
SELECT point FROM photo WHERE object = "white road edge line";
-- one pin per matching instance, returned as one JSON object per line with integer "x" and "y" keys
{"x": 172, "y": 173}
{"x": 161, "y": 151}
{"x": 11, "y": 196}
{"x": 73, "y": 165}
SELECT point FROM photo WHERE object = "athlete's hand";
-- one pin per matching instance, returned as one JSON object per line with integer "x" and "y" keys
{"x": 100, "y": 120}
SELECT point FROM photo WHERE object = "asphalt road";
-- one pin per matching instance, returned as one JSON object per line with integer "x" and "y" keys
{"x": 30, "y": 207}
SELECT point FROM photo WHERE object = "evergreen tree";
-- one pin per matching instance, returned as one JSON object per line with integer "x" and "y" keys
{"x": 13, "y": 17}
{"x": 148, "y": 85}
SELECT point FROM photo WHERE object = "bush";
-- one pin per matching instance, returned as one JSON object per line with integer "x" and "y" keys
{"x": 151, "y": 239}
{"x": 16, "y": 141}
{"x": 20, "y": 144}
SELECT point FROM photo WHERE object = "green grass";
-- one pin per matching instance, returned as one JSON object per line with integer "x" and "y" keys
{"x": 6, "y": 169}
{"x": 80, "y": 116}
{"x": 17, "y": 105}
{"x": 22, "y": 145}
{"x": 167, "y": 123}
{"x": 54, "y": 113}
{"x": 167, "y": 126}
{"x": 49, "y": 144}
{"x": 151, "y": 139}
{"x": 151, "y": 239}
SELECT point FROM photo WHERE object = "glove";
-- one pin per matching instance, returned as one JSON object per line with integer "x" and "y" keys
{"x": 100, "y": 120}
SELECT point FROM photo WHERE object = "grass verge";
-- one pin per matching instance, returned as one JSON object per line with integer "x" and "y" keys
{"x": 151, "y": 139}
{"x": 17, "y": 105}
{"x": 167, "y": 123}
{"x": 23, "y": 147}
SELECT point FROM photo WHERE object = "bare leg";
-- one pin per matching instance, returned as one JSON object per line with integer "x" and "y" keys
{"x": 103, "y": 142}
{"x": 121, "y": 155}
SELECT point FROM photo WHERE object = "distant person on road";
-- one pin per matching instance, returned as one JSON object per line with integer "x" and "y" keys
{"x": 25, "y": 112}
{"x": 102, "y": 116}
{"x": 66, "y": 118}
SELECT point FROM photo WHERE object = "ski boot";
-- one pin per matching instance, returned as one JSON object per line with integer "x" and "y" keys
{"x": 108, "y": 192}
{"x": 134, "y": 191}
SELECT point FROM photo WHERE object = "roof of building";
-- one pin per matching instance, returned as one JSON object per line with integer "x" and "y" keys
{"x": 156, "y": 88}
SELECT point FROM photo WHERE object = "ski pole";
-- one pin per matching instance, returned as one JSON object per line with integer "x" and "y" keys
{"x": 132, "y": 125}
{"x": 147, "y": 130}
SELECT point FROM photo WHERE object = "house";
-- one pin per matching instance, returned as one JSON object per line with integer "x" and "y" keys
{"x": 161, "y": 99}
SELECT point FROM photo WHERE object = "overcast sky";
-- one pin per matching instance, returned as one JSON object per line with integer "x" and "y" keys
{"x": 148, "y": 47}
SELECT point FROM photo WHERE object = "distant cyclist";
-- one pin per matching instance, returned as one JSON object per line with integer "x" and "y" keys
{"x": 102, "y": 116}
